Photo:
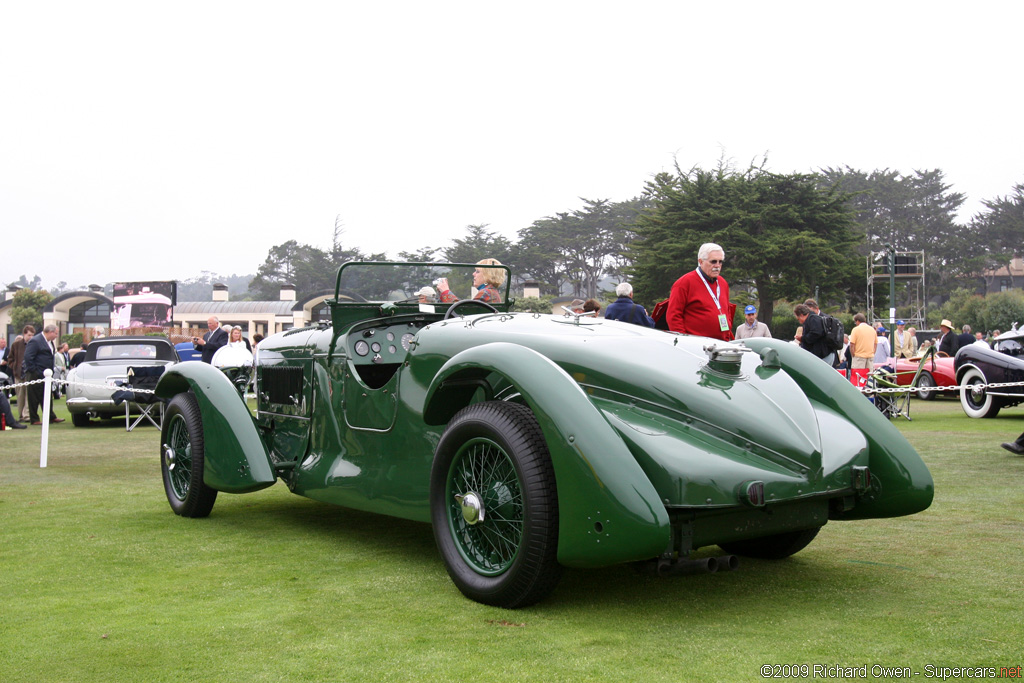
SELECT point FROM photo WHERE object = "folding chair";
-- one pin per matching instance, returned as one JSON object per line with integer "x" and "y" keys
{"x": 151, "y": 408}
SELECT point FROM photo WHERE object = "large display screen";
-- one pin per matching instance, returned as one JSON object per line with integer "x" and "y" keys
{"x": 143, "y": 304}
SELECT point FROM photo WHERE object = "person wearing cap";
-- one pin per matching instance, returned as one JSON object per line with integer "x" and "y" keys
{"x": 752, "y": 328}
{"x": 948, "y": 342}
{"x": 906, "y": 344}
{"x": 882, "y": 350}
{"x": 426, "y": 295}
{"x": 625, "y": 309}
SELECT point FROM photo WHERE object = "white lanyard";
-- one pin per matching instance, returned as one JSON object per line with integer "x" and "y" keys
{"x": 715, "y": 294}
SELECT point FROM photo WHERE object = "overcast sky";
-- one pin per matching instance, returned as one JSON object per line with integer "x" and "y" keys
{"x": 143, "y": 140}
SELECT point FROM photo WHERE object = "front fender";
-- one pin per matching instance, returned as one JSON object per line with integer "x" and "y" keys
{"x": 236, "y": 460}
{"x": 608, "y": 510}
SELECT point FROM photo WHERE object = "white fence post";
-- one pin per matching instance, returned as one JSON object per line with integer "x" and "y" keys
{"x": 45, "y": 417}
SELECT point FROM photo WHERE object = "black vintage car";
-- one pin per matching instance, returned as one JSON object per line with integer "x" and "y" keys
{"x": 978, "y": 365}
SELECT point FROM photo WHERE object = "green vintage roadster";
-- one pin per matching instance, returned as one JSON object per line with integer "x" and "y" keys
{"x": 532, "y": 442}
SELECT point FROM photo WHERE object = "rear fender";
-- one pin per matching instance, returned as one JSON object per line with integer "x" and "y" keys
{"x": 608, "y": 510}
{"x": 904, "y": 484}
{"x": 236, "y": 460}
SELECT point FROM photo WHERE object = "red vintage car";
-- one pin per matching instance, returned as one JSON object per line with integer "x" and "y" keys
{"x": 938, "y": 371}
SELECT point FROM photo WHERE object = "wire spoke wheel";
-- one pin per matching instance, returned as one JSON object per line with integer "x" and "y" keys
{"x": 494, "y": 505}
{"x": 178, "y": 457}
{"x": 488, "y": 539}
{"x": 182, "y": 458}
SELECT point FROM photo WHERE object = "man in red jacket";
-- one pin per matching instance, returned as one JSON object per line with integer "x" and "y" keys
{"x": 699, "y": 301}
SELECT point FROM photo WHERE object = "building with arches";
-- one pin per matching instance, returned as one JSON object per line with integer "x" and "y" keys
{"x": 84, "y": 311}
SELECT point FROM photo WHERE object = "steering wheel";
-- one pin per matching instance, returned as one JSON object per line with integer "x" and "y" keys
{"x": 465, "y": 302}
{"x": 942, "y": 354}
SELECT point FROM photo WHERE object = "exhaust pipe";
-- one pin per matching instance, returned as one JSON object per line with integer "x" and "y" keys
{"x": 728, "y": 563}
{"x": 705, "y": 565}
{"x": 664, "y": 567}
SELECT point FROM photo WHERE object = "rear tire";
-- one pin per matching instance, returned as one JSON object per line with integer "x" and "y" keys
{"x": 494, "y": 506}
{"x": 183, "y": 457}
{"x": 926, "y": 387}
{"x": 775, "y": 547}
{"x": 80, "y": 419}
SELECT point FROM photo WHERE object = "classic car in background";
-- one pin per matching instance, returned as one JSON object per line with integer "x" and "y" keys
{"x": 978, "y": 365}
{"x": 187, "y": 351}
{"x": 92, "y": 383}
{"x": 532, "y": 442}
{"x": 937, "y": 371}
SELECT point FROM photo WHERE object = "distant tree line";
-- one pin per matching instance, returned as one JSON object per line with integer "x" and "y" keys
{"x": 786, "y": 237}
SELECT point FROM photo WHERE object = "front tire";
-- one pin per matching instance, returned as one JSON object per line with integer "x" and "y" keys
{"x": 776, "y": 547}
{"x": 977, "y": 403}
{"x": 183, "y": 457}
{"x": 494, "y": 505}
{"x": 926, "y": 387}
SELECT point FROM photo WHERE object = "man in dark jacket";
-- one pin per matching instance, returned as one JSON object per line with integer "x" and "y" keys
{"x": 212, "y": 341}
{"x": 813, "y": 336}
{"x": 14, "y": 362}
{"x": 965, "y": 338}
{"x": 948, "y": 342}
{"x": 39, "y": 357}
{"x": 625, "y": 310}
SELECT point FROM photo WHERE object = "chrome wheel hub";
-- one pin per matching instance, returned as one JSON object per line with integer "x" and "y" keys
{"x": 472, "y": 507}
{"x": 169, "y": 458}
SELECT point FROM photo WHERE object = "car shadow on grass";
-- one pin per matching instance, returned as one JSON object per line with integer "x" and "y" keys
{"x": 398, "y": 543}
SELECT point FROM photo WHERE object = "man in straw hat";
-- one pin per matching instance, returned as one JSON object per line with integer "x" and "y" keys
{"x": 948, "y": 343}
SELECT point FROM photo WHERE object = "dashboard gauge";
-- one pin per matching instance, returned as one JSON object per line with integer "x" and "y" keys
{"x": 362, "y": 348}
{"x": 392, "y": 349}
{"x": 391, "y": 336}
{"x": 375, "y": 346}
{"x": 406, "y": 340}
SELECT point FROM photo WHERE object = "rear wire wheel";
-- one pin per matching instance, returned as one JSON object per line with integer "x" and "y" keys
{"x": 182, "y": 458}
{"x": 494, "y": 505}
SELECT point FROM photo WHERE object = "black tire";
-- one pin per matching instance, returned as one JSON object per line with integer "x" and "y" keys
{"x": 980, "y": 403}
{"x": 775, "y": 547}
{"x": 925, "y": 387}
{"x": 182, "y": 458}
{"x": 80, "y": 419}
{"x": 499, "y": 540}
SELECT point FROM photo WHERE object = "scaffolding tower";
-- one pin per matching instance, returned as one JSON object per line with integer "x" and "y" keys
{"x": 906, "y": 270}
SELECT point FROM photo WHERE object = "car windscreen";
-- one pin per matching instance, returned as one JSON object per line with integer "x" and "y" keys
{"x": 362, "y": 281}
{"x": 131, "y": 350}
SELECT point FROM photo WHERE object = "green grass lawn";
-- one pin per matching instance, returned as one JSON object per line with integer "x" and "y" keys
{"x": 100, "y": 581}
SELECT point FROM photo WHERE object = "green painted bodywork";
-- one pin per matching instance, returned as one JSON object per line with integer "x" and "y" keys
{"x": 236, "y": 461}
{"x": 654, "y": 446}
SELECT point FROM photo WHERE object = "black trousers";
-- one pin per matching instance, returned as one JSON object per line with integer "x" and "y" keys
{"x": 35, "y": 397}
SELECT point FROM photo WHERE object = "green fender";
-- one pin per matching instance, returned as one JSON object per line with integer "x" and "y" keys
{"x": 608, "y": 510}
{"x": 236, "y": 460}
{"x": 903, "y": 483}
